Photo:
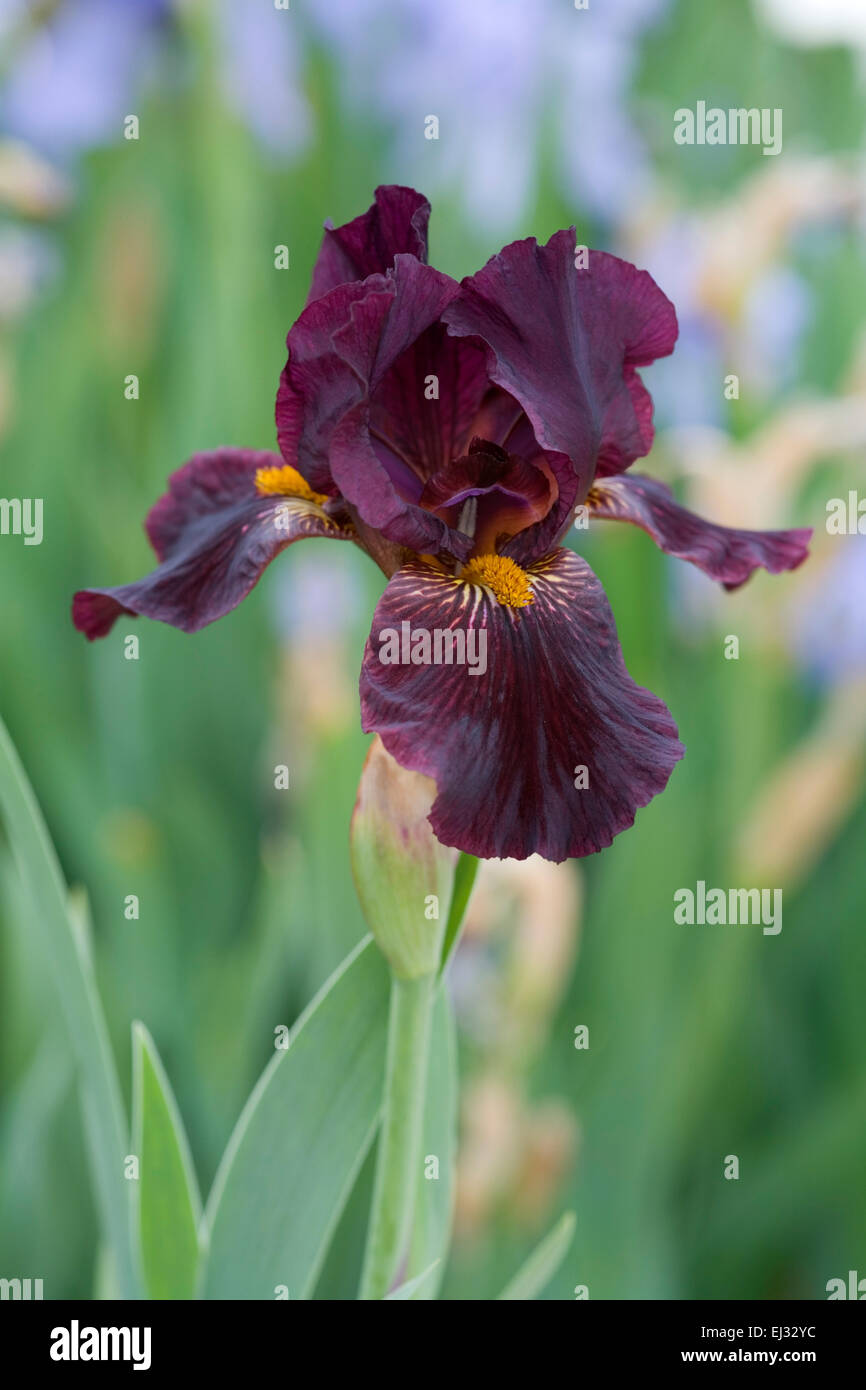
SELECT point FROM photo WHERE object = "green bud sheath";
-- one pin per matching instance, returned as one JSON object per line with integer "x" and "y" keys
{"x": 403, "y": 875}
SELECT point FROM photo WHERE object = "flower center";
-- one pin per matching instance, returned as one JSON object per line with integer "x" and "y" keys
{"x": 508, "y": 583}
{"x": 286, "y": 482}
{"x": 489, "y": 495}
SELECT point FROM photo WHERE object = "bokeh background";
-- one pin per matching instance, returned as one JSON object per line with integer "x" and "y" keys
{"x": 155, "y": 257}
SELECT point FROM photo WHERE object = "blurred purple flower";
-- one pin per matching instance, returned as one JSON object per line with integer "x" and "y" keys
{"x": 70, "y": 82}
{"x": 261, "y": 78}
{"x": 491, "y": 72}
{"x": 686, "y": 387}
{"x": 777, "y": 313}
{"x": 826, "y": 631}
{"x": 602, "y": 156}
{"x": 74, "y": 77}
{"x": 27, "y": 263}
{"x": 319, "y": 595}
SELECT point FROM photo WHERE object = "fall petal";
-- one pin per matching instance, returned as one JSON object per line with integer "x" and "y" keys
{"x": 505, "y": 745}
{"x": 214, "y": 535}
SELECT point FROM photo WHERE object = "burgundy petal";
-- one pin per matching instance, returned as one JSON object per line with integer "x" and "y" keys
{"x": 214, "y": 535}
{"x": 427, "y": 403}
{"x": 505, "y": 747}
{"x": 397, "y": 222}
{"x": 722, "y": 552}
{"x": 338, "y": 398}
{"x": 501, "y": 420}
{"x": 628, "y": 427}
{"x": 565, "y": 342}
{"x": 510, "y": 494}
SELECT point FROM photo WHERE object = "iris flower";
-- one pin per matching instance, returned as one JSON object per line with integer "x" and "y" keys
{"x": 452, "y": 431}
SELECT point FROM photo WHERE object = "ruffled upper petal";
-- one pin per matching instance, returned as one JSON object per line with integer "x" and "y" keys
{"x": 565, "y": 343}
{"x": 551, "y": 748}
{"x": 426, "y": 405}
{"x": 352, "y": 413}
{"x": 722, "y": 552}
{"x": 214, "y": 534}
{"x": 396, "y": 223}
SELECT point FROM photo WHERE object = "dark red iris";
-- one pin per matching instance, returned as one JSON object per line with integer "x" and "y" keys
{"x": 451, "y": 431}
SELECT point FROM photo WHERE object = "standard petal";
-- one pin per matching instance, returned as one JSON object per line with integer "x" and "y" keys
{"x": 511, "y": 746}
{"x": 722, "y": 552}
{"x": 397, "y": 222}
{"x": 214, "y": 535}
{"x": 565, "y": 342}
{"x": 352, "y": 414}
{"x": 427, "y": 403}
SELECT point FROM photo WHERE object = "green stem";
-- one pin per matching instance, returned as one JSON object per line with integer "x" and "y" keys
{"x": 398, "y": 1156}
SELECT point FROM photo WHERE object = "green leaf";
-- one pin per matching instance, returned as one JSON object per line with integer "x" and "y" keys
{"x": 301, "y": 1138}
{"x": 534, "y": 1276}
{"x": 464, "y": 879}
{"x": 412, "y": 1287}
{"x": 431, "y": 1230}
{"x": 169, "y": 1205}
{"x": 63, "y": 947}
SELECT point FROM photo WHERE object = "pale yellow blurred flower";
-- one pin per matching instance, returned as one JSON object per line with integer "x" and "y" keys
{"x": 538, "y": 905}
{"x": 807, "y": 799}
{"x": 132, "y": 281}
{"x": 29, "y": 184}
{"x": 736, "y": 240}
{"x": 512, "y": 1154}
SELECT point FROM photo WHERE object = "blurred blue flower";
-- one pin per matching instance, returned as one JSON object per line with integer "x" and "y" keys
{"x": 261, "y": 74}
{"x": 319, "y": 596}
{"x": 826, "y": 631}
{"x": 70, "y": 79}
{"x": 763, "y": 347}
{"x": 28, "y": 262}
{"x": 602, "y": 156}
{"x": 687, "y": 387}
{"x": 777, "y": 312}
{"x": 494, "y": 72}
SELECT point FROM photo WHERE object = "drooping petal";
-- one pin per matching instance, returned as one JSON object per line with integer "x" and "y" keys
{"x": 547, "y": 706}
{"x": 722, "y": 552}
{"x": 396, "y": 222}
{"x": 358, "y": 361}
{"x": 565, "y": 342}
{"x": 214, "y": 534}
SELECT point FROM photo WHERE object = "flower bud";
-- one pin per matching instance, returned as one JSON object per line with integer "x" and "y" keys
{"x": 403, "y": 875}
